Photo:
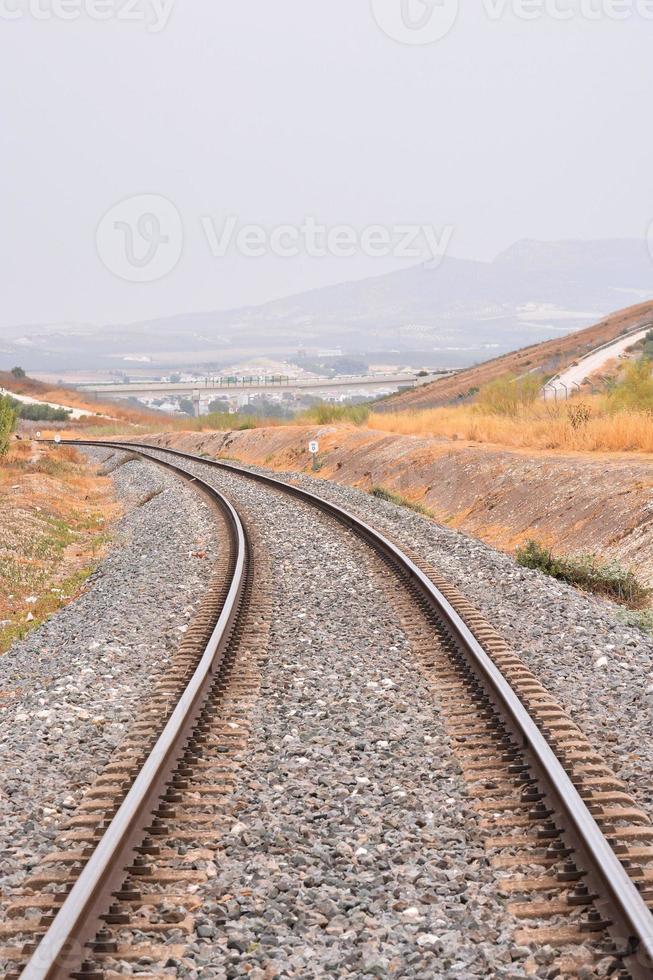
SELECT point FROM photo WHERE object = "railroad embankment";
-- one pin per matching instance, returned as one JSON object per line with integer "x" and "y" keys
{"x": 572, "y": 502}
{"x": 54, "y": 514}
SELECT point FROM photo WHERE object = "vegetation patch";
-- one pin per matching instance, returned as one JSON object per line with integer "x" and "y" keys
{"x": 7, "y": 423}
{"x": 382, "y": 493}
{"x": 325, "y": 413}
{"x": 641, "y": 619}
{"x": 589, "y": 572}
{"x": 592, "y": 423}
{"x": 39, "y": 412}
{"x": 46, "y": 604}
{"x": 54, "y": 513}
{"x": 634, "y": 392}
{"x": 509, "y": 395}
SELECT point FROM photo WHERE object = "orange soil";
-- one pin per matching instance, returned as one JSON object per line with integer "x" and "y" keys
{"x": 571, "y": 501}
{"x": 54, "y": 514}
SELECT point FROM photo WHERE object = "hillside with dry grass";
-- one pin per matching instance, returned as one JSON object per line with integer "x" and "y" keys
{"x": 54, "y": 514}
{"x": 71, "y": 398}
{"x": 546, "y": 358}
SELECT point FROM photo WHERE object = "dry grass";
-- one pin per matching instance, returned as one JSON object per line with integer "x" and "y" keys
{"x": 595, "y": 428}
{"x": 216, "y": 422}
{"x": 547, "y": 357}
{"x": 71, "y": 398}
{"x": 53, "y": 518}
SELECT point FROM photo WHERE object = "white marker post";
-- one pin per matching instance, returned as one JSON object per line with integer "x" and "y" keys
{"x": 57, "y": 439}
{"x": 314, "y": 448}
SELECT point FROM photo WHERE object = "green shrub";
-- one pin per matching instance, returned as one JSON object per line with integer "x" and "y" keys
{"x": 219, "y": 406}
{"x": 7, "y": 423}
{"x": 187, "y": 407}
{"x": 588, "y": 572}
{"x": 40, "y": 412}
{"x": 382, "y": 493}
{"x": 635, "y": 390}
{"x": 647, "y": 349}
{"x": 509, "y": 394}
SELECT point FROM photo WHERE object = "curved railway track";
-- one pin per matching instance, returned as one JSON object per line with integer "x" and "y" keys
{"x": 591, "y": 833}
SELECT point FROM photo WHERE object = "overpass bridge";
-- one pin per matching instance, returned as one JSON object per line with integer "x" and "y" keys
{"x": 200, "y": 389}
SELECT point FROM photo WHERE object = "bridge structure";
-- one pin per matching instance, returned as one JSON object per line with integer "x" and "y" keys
{"x": 206, "y": 389}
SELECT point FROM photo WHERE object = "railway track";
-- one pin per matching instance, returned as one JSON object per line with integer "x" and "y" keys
{"x": 548, "y": 799}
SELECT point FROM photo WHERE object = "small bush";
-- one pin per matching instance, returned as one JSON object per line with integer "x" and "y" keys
{"x": 381, "y": 493}
{"x": 635, "y": 391}
{"x": 647, "y": 348}
{"x": 588, "y": 572}
{"x": 579, "y": 414}
{"x": 509, "y": 394}
{"x": 40, "y": 412}
{"x": 7, "y": 423}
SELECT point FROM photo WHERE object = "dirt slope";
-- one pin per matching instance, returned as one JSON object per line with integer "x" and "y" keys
{"x": 572, "y": 502}
{"x": 548, "y": 357}
{"x": 70, "y": 398}
{"x": 54, "y": 514}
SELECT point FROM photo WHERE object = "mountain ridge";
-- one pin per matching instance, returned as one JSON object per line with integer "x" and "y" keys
{"x": 450, "y": 315}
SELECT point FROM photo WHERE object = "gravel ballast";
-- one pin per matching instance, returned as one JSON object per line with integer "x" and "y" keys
{"x": 72, "y": 687}
{"x": 355, "y": 850}
{"x": 599, "y": 668}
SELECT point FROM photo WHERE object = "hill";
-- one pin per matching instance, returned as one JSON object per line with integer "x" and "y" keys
{"x": 454, "y": 315}
{"x": 548, "y": 358}
{"x": 84, "y": 405}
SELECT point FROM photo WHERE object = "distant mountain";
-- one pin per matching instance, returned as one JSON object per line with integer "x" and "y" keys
{"x": 453, "y": 315}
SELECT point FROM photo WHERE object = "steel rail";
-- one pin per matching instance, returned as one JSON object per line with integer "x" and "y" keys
{"x": 631, "y": 921}
{"x": 62, "y": 948}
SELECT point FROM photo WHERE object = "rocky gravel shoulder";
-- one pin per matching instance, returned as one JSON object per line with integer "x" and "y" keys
{"x": 599, "y": 668}
{"x": 72, "y": 687}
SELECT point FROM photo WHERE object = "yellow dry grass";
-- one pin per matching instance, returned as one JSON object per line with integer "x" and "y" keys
{"x": 539, "y": 426}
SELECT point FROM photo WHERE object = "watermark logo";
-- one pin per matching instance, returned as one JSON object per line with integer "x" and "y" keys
{"x": 566, "y": 10}
{"x": 154, "y": 14}
{"x": 317, "y": 240}
{"x": 415, "y": 21}
{"x": 426, "y": 21}
{"x": 141, "y": 239}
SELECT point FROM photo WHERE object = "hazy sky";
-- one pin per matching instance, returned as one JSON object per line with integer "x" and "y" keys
{"x": 505, "y": 128}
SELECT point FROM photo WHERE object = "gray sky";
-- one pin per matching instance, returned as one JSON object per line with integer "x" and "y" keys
{"x": 502, "y": 129}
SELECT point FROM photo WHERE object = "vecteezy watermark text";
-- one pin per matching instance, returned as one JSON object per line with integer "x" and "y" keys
{"x": 318, "y": 240}
{"x": 564, "y": 10}
{"x": 141, "y": 239}
{"x": 154, "y": 14}
{"x": 426, "y": 21}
